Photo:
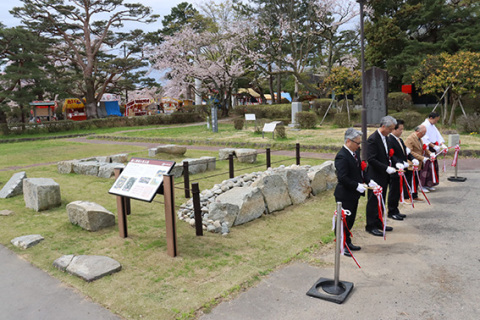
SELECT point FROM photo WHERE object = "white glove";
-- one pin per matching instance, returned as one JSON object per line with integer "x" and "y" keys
{"x": 407, "y": 150}
{"x": 372, "y": 184}
{"x": 360, "y": 188}
{"x": 425, "y": 159}
{"x": 391, "y": 170}
{"x": 437, "y": 148}
{"x": 444, "y": 146}
{"x": 399, "y": 166}
{"x": 432, "y": 157}
{"x": 405, "y": 164}
{"x": 415, "y": 162}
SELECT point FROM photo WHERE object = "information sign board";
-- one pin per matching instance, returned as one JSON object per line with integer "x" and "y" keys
{"x": 141, "y": 178}
{"x": 250, "y": 116}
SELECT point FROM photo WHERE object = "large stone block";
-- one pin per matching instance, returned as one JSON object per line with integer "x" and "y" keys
{"x": 196, "y": 165}
{"x": 107, "y": 170}
{"x": 249, "y": 200}
{"x": 121, "y": 158}
{"x": 66, "y": 167}
{"x": 172, "y": 149}
{"x": 318, "y": 177}
{"x": 298, "y": 184}
{"x": 89, "y": 215}
{"x": 275, "y": 192}
{"x": 211, "y": 162}
{"x": 14, "y": 186}
{"x": 224, "y": 212}
{"x": 89, "y": 168}
{"x": 28, "y": 241}
{"x": 246, "y": 155}
{"x": 224, "y": 153}
{"x": 89, "y": 268}
{"x": 41, "y": 193}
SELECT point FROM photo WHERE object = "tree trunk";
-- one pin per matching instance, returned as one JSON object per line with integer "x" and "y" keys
{"x": 270, "y": 83}
{"x": 452, "y": 112}
{"x": 279, "y": 89}
{"x": 91, "y": 103}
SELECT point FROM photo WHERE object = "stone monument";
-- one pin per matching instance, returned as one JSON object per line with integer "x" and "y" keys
{"x": 376, "y": 83}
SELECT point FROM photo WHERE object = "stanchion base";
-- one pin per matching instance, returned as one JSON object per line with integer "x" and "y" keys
{"x": 325, "y": 289}
{"x": 457, "y": 179}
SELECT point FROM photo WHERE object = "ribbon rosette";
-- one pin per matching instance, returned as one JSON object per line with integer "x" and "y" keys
{"x": 343, "y": 239}
{"x": 378, "y": 192}
{"x": 390, "y": 153}
{"x": 363, "y": 165}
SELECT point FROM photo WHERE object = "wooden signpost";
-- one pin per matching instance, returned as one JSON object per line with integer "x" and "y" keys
{"x": 142, "y": 179}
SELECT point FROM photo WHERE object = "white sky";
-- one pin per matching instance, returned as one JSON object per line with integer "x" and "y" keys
{"x": 161, "y": 7}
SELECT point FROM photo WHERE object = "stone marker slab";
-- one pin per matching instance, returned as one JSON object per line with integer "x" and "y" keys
{"x": 41, "y": 193}
{"x": 6, "y": 212}
{"x": 89, "y": 215}
{"x": 89, "y": 268}
{"x": 14, "y": 186}
{"x": 28, "y": 241}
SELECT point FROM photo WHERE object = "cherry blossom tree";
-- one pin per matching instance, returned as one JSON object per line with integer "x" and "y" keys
{"x": 212, "y": 57}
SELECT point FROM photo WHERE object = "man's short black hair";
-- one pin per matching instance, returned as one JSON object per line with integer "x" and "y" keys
{"x": 399, "y": 122}
{"x": 433, "y": 115}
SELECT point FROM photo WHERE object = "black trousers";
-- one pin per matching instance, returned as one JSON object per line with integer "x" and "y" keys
{"x": 394, "y": 194}
{"x": 352, "y": 206}
{"x": 373, "y": 221}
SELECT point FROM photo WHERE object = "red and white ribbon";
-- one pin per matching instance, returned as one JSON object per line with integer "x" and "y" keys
{"x": 445, "y": 151}
{"x": 343, "y": 239}
{"x": 434, "y": 173}
{"x": 378, "y": 192}
{"x": 415, "y": 173}
{"x": 455, "y": 156}
{"x": 401, "y": 175}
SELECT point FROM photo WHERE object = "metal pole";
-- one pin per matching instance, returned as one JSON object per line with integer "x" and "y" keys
{"x": 338, "y": 244}
{"x": 197, "y": 209}
{"x": 230, "y": 166}
{"x": 186, "y": 179}
{"x": 297, "y": 153}
{"x": 269, "y": 163}
{"x": 364, "y": 105}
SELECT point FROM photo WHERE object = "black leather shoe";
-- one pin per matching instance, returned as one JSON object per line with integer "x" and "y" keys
{"x": 346, "y": 253}
{"x": 395, "y": 217}
{"x": 375, "y": 232}
{"x": 388, "y": 228}
{"x": 353, "y": 247}
{"x": 402, "y": 215}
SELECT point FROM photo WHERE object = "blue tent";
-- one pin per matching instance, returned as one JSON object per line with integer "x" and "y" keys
{"x": 286, "y": 95}
{"x": 112, "y": 108}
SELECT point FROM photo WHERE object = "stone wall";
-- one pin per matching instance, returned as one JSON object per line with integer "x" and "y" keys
{"x": 245, "y": 198}
{"x": 102, "y": 167}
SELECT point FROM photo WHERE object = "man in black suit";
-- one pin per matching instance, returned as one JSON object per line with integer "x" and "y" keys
{"x": 351, "y": 180}
{"x": 379, "y": 169}
{"x": 400, "y": 156}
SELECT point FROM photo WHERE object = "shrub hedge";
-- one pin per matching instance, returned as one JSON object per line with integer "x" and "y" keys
{"x": 469, "y": 124}
{"x": 399, "y": 101}
{"x": 306, "y": 119}
{"x": 110, "y": 122}
{"x": 276, "y": 111}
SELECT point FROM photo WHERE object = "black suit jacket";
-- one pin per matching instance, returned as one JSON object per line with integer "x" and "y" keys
{"x": 378, "y": 160}
{"x": 349, "y": 175}
{"x": 399, "y": 153}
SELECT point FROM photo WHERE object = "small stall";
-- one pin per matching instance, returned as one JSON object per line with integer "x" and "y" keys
{"x": 137, "y": 107}
{"x": 109, "y": 105}
{"x": 43, "y": 110}
{"x": 74, "y": 109}
{"x": 170, "y": 105}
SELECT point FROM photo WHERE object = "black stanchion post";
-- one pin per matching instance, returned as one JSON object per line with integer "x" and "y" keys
{"x": 456, "y": 178}
{"x": 197, "y": 209}
{"x": 333, "y": 290}
{"x": 186, "y": 179}
{"x": 297, "y": 153}
{"x": 269, "y": 164}
{"x": 230, "y": 166}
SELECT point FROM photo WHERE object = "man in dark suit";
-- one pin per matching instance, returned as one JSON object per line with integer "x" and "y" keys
{"x": 351, "y": 180}
{"x": 379, "y": 169}
{"x": 400, "y": 156}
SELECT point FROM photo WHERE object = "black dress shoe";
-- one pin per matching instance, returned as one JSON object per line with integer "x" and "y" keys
{"x": 402, "y": 215}
{"x": 395, "y": 217}
{"x": 388, "y": 228}
{"x": 346, "y": 253}
{"x": 353, "y": 247}
{"x": 375, "y": 232}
